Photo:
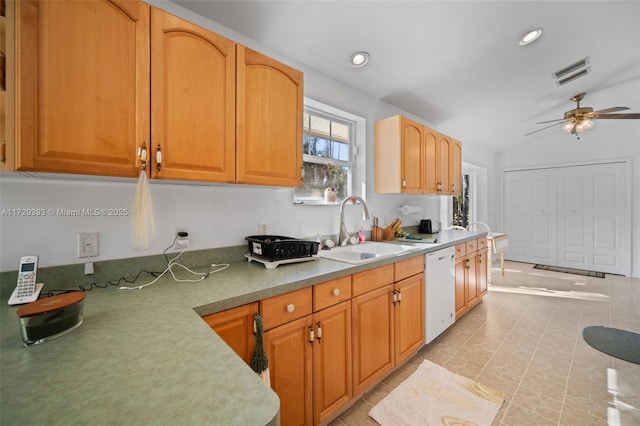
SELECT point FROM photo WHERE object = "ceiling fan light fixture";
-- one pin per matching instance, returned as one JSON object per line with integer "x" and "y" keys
{"x": 360, "y": 59}
{"x": 574, "y": 126}
{"x": 530, "y": 37}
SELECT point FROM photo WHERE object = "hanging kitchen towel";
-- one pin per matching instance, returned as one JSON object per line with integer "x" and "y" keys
{"x": 143, "y": 224}
{"x": 259, "y": 361}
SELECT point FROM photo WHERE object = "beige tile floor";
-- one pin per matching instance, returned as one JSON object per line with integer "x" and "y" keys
{"x": 525, "y": 339}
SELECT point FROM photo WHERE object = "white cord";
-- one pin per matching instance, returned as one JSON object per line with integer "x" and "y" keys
{"x": 171, "y": 264}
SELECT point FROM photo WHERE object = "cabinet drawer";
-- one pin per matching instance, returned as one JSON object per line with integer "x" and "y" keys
{"x": 461, "y": 249}
{"x": 364, "y": 282}
{"x": 409, "y": 267}
{"x": 472, "y": 246}
{"x": 331, "y": 292}
{"x": 481, "y": 243}
{"x": 286, "y": 307}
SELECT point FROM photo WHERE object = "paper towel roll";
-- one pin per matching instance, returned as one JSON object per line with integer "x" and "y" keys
{"x": 407, "y": 210}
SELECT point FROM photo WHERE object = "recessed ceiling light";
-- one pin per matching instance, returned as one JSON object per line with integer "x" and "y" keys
{"x": 359, "y": 59}
{"x": 530, "y": 37}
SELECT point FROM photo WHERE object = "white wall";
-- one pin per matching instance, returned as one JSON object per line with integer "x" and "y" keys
{"x": 608, "y": 139}
{"x": 215, "y": 215}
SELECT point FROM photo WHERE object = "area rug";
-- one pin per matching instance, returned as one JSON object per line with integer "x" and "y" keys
{"x": 432, "y": 395}
{"x": 594, "y": 274}
{"x": 618, "y": 343}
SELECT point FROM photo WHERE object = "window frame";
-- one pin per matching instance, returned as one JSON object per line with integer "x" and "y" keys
{"x": 356, "y": 161}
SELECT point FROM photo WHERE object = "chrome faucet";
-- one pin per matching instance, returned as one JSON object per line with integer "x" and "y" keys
{"x": 343, "y": 236}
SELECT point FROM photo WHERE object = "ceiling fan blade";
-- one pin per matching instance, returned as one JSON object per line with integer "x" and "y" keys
{"x": 618, "y": 116}
{"x": 608, "y": 110}
{"x": 539, "y": 130}
{"x": 550, "y": 121}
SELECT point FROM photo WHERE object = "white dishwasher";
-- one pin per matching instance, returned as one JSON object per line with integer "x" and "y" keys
{"x": 440, "y": 292}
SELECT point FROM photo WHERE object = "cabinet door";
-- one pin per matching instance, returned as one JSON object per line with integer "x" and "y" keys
{"x": 83, "y": 85}
{"x": 192, "y": 101}
{"x": 411, "y": 157}
{"x": 473, "y": 295}
{"x": 431, "y": 159}
{"x": 455, "y": 168}
{"x": 373, "y": 337}
{"x": 461, "y": 293}
{"x": 235, "y": 327}
{"x": 482, "y": 271}
{"x": 332, "y": 362}
{"x": 290, "y": 356}
{"x": 408, "y": 317}
{"x": 269, "y": 121}
{"x": 443, "y": 163}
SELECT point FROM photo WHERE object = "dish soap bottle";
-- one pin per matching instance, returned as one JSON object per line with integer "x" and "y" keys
{"x": 361, "y": 235}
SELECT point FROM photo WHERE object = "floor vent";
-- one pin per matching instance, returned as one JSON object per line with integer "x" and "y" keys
{"x": 595, "y": 274}
{"x": 572, "y": 72}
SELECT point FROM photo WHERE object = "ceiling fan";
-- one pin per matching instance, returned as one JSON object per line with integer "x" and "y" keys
{"x": 581, "y": 118}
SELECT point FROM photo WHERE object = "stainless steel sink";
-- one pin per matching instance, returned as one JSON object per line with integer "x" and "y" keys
{"x": 369, "y": 251}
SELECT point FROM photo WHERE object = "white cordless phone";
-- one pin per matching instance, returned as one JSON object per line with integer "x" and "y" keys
{"x": 27, "y": 290}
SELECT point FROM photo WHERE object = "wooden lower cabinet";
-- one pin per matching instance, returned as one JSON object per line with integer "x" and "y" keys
{"x": 408, "y": 317}
{"x": 290, "y": 353}
{"x": 310, "y": 361}
{"x": 373, "y": 337}
{"x": 235, "y": 327}
{"x": 470, "y": 276}
{"x": 332, "y": 361}
{"x": 326, "y": 346}
{"x": 388, "y": 326}
{"x": 467, "y": 295}
{"x": 482, "y": 271}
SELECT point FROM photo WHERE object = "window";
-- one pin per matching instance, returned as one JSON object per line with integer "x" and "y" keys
{"x": 329, "y": 148}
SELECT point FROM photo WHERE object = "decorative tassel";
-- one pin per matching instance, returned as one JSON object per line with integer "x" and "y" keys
{"x": 143, "y": 223}
{"x": 259, "y": 361}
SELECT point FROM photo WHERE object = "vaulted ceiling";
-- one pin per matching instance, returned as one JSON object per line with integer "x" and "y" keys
{"x": 458, "y": 64}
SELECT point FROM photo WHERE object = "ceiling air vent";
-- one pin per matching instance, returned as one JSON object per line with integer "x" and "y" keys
{"x": 572, "y": 72}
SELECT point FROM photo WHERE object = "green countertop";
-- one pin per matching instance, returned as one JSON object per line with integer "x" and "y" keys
{"x": 146, "y": 356}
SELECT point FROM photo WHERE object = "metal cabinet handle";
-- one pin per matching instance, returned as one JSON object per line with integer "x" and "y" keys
{"x": 291, "y": 307}
{"x": 399, "y": 296}
{"x": 311, "y": 336}
{"x": 319, "y": 332}
{"x": 336, "y": 292}
{"x": 159, "y": 157}
{"x": 143, "y": 155}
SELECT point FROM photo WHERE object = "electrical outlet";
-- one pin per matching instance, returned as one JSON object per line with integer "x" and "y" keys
{"x": 182, "y": 238}
{"x": 263, "y": 229}
{"x": 87, "y": 244}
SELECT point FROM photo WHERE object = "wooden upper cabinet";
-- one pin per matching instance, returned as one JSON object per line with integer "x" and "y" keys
{"x": 268, "y": 121}
{"x": 455, "y": 167}
{"x": 192, "y": 101}
{"x": 412, "y": 158}
{"x": 442, "y": 165}
{"x": 431, "y": 169}
{"x": 82, "y": 86}
{"x": 398, "y": 156}
{"x": 411, "y": 151}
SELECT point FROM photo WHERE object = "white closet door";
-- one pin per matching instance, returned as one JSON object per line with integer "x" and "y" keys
{"x": 592, "y": 216}
{"x": 530, "y": 219}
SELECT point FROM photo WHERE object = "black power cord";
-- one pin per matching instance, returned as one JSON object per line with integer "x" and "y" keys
{"x": 89, "y": 287}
